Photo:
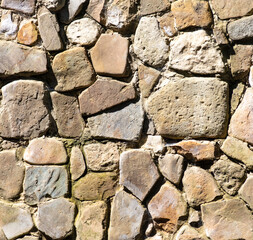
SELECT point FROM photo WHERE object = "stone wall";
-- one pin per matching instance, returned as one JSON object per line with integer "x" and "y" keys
{"x": 126, "y": 119}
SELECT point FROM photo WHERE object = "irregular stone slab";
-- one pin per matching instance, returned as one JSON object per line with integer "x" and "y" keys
{"x": 72, "y": 70}
{"x": 175, "y": 116}
{"x": 167, "y": 208}
{"x": 154, "y": 143}
{"x": 104, "y": 94}
{"x": 44, "y": 182}
{"x": 167, "y": 23}
{"x": 246, "y": 191}
{"x": 90, "y": 222}
{"x": 116, "y": 124}
{"x": 199, "y": 186}
{"x": 45, "y": 151}
{"x": 149, "y": 44}
{"x": 95, "y": 186}
{"x": 194, "y": 217}
{"x": 8, "y": 25}
{"x": 11, "y": 175}
{"x": 23, "y": 113}
{"x": 109, "y": 56}
{"x": 138, "y": 172}
{"x": 195, "y": 52}
{"x": 95, "y": 8}
{"x": 221, "y": 223}
{"x": 28, "y": 34}
{"x": 67, "y": 115}
{"x": 237, "y": 93}
{"x": 188, "y": 233}
{"x": 24, "y": 6}
{"x": 153, "y": 6}
{"x": 77, "y": 163}
{"x": 131, "y": 217}
{"x": 53, "y": 5}
{"x": 21, "y": 60}
{"x": 219, "y": 35}
{"x": 49, "y": 30}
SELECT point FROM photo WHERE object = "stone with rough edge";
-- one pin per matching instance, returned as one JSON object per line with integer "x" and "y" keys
{"x": 251, "y": 76}
{"x": 95, "y": 8}
{"x": 153, "y": 6}
{"x": 54, "y": 5}
{"x": 154, "y": 143}
{"x": 24, "y": 6}
{"x": 246, "y": 191}
{"x": 28, "y": 34}
{"x": 188, "y": 233}
{"x": 237, "y": 93}
{"x": 167, "y": 23}
{"x": 8, "y": 25}
{"x": 77, "y": 163}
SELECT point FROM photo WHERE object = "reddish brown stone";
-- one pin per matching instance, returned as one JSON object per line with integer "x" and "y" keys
{"x": 94, "y": 9}
{"x": 167, "y": 24}
{"x": 28, "y": 34}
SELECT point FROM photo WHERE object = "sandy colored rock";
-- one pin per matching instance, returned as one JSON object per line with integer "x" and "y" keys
{"x": 220, "y": 36}
{"x": 237, "y": 93}
{"x": 194, "y": 217}
{"x": 54, "y": 5}
{"x": 95, "y": 8}
{"x": 153, "y": 6}
{"x": 167, "y": 23}
{"x": 246, "y": 191}
{"x": 29, "y": 238}
{"x": 77, "y": 163}
{"x": 28, "y": 34}
{"x": 24, "y": 6}
{"x": 154, "y": 143}
{"x": 8, "y": 25}
{"x": 188, "y": 233}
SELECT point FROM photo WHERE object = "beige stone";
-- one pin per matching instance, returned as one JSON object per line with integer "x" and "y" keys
{"x": 28, "y": 34}
{"x": 77, "y": 163}
{"x": 220, "y": 36}
{"x": 246, "y": 191}
{"x": 24, "y": 6}
{"x": 54, "y": 5}
{"x": 188, "y": 233}
{"x": 251, "y": 76}
{"x": 154, "y": 143}
{"x": 29, "y": 238}
{"x": 9, "y": 25}
{"x": 167, "y": 23}
{"x": 95, "y": 8}
{"x": 153, "y": 6}
{"x": 237, "y": 93}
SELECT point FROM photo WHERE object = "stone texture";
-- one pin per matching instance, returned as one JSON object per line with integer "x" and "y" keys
{"x": 246, "y": 191}
{"x": 55, "y": 218}
{"x": 72, "y": 70}
{"x": 11, "y": 175}
{"x": 95, "y": 8}
{"x": 24, "y": 6}
{"x": 227, "y": 219}
{"x": 175, "y": 116}
{"x": 195, "y": 52}
{"x": 131, "y": 217}
{"x": 167, "y": 23}
{"x": 21, "y": 60}
{"x": 251, "y": 77}
{"x": 188, "y": 233}
{"x": 149, "y": 44}
{"x": 104, "y": 94}
{"x": 67, "y": 115}
{"x": 153, "y": 6}
{"x": 44, "y": 182}
{"x": 27, "y": 34}
{"x": 54, "y": 5}
{"x": 109, "y": 55}
{"x": 219, "y": 35}
{"x": 45, "y": 151}
{"x": 199, "y": 186}
{"x": 77, "y": 163}
{"x": 194, "y": 217}
{"x": 8, "y": 25}
{"x": 237, "y": 92}
{"x": 23, "y": 113}
{"x": 95, "y": 186}
{"x": 90, "y": 223}
{"x": 116, "y": 124}
{"x": 29, "y": 238}
{"x": 154, "y": 143}
{"x": 167, "y": 208}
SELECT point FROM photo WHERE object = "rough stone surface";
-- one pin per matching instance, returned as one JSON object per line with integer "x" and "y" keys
{"x": 149, "y": 44}
{"x": 188, "y": 233}
{"x": 167, "y": 23}
{"x": 195, "y": 52}
{"x": 45, "y": 151}
{"x": 23, "y": 113}
{"x": 95, "y": 8}
{"x": 72, "y": 70}
{"x": 55, "y": 218}
{"x": 29, "y": 238}
{"x": 251, "y": 76}
{"x": 227, "y": 219}
{"x": 131, "y": 217}
{"x": 154, "y": 143}
{"x": 77, "y": 163}
{"x": 199, "y": 186}
{"x": 194, "y": 217}
{"x": 153, "y": 6}
{"x": 104, "y": 94}
{"x": 219, "y": 35}
{"x": 237, "y": 93}
{"x": 8, "y": 25}
{"x": 28, "y": 34}
{"x": 24, "y": 6}
{"x": 176, "y": 117}
{"x": 54, "y": 5}
{"x": 246, "y": 191}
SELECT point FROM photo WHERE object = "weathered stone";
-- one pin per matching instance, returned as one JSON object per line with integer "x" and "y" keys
{"x": 77, "y": 164}
{"x": 8, "y": 25}
{"x": 153, "y": 6}
{"x": 167, "y": 208}
{"x": 195, "y": 52}
{"x": 49, "y": 30}
{"x": 109, "y": 56}
{"x": 67, "y": 115}
{"x": 175, "y": 116}
{"x": 24, "y": 6}
{"x": 194, "y": 217}
{"x": 227, "y": 219}
{"x": 11, "y": 175}
{"x": 167, "y": 23}
{"x": 29, "y": 238}
{"x": 131, "y": 217}
{"x": 188, "y": 233}
{"x": 149, "y": 44}
{"x": 95, "y": 186}
{"x": 90, "y": 223}
{"x": 251, "y": 76}
{"x": 246, "y": 191}
{"x": 237, "y": 93}
{"x": 28, "y": 34}
{"x": 18, "y": 59}
{"x": 154, "y": 143}
{"x": 45, "y": 151}
{"x": 171, "y": 167}
{"x": 199, "y": 185}
{"x": 95, "y": 8}
{"x": 23, "y": 113}
{"x": 220, "y": 36}
{"x": 55, "y": 218}
{"x": 54, "y": 5}
{"x": 104, "y": 94}
{"x": 72, "y": 70}
{"x": 44, "y": 182}
{"x": 116, "y": 124}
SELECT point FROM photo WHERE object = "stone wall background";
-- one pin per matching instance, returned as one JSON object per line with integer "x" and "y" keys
{"x": 126, "y": 119}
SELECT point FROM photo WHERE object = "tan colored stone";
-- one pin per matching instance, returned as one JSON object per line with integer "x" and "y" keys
{"x": 246, "y": 191}
{"x": 77, "y": 163}
{"x": 188, "y": 233}
{"x": 24, "y": 6}
{"x": 54, "y": 5}
{"x": 154, "y": 143}
{"x": 29, "y": 238}
{"x": 95, "y": 8}
{"x": 194, "y": 217}
{"x": 28, "y": 34}
{"x": 220, "y": 36}
{"x": 153, "y": 6}
{"x": 168, "y": 24}
{"x": 237, "y": 93}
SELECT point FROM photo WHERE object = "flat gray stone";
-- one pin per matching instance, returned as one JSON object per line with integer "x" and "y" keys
{"x": 24, "y": 6}
{"x": 77, "y": 163}
{"x": 246, "y": 191}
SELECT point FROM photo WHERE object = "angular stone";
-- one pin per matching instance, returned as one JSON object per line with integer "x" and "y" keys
{"x": 72, "y": 70}
{"x": 116, "y": 124}
{"x": 95, "y": 186}
{"x": 149, "y": 44}
{"x": 53, "y": 5}
{"x": 15, "y": 220}
{"x": 154, "y": 143}
{"x": 104, "y": 94}
{"x": 11, "y": 175}
{"x": 171, "y": 167}
{"x": 49, "y": 30}
{"x": 8, "y": 25}
{"x": 24, "y": 6}
{"x": 167, "y": 23}
{"x": 131, "y": 217}
{"x": 77, "y": 163}
{"x": 246, "y": 191}
{"x": 188, "y": 233}
{"x": 45, "y": 151}
{"x": 227, "y": 219}
{"x": 91, "y": 220}
{"x": 220, "y": 36}
{"x": 194, "y": 217}
{"x": 237, "y": 92}
{"x": 21, "y": 60}
{"x": 23, "y": 113}
{"x": 28, "y": 34}
{"x": 199, "y": 186}
{"x": 95, "y": 8}
{"x": 167, "y": 208}
{"x": 44, "y": 182}
{"x": 195, "y": 52}
{"x": 153, "y": 6}
{"x": 109, "y": 56}
{"x": 55, "y": 218}
{"x": 175, "y": 116}
{"x": 138, "y": 172}
{"x": 67, "y": 115}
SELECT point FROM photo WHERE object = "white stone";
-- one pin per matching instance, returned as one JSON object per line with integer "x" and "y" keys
{"x": 154, "y": 143}
{"x": 251, "y": 76}
{"x": 8, "y": 25}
